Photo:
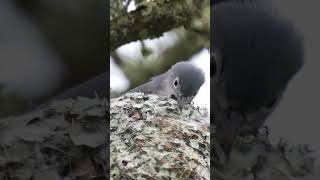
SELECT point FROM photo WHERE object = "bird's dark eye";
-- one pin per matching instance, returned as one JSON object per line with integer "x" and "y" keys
{"x": 176, "y": 82}
{"x": 174, "y": 97}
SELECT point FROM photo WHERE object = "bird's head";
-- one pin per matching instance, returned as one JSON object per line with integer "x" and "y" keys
{"x": 184, "y": 81}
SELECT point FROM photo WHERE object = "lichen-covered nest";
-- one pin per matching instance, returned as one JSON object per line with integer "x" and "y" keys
{"x": 152, "y": 139}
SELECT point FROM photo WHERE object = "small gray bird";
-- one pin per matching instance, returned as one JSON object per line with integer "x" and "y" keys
{"x": 181, "y": 83}
{"x": 256, "y": 53}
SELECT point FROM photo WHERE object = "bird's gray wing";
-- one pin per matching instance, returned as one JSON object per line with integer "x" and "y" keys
{"x": 153, "y": 86}
{"x": 96, "y": 85}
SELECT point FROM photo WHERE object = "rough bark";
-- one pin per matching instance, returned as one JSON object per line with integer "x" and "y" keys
{"x": 151, "y": 19}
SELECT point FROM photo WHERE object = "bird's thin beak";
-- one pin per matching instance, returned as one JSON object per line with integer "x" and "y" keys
{"x": 182, "y": 101}
{"x": 228, "y": 132}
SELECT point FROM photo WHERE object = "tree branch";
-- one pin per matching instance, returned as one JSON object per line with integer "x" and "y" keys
{"x": 150, "y": 20}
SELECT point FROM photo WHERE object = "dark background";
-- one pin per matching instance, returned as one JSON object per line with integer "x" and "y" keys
{"x": 297, "y": 117}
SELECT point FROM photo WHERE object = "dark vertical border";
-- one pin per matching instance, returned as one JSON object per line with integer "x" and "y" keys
{"x": 212, "y": 71}
{"x": 107, "y": 42}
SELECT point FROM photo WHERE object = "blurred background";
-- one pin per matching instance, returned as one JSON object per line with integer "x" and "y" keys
{"x": 296, "y": 118}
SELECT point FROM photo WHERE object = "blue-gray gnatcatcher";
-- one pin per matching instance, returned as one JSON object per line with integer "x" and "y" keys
{"x": 256, "y": 54}
{"x": 181, "y": 82}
